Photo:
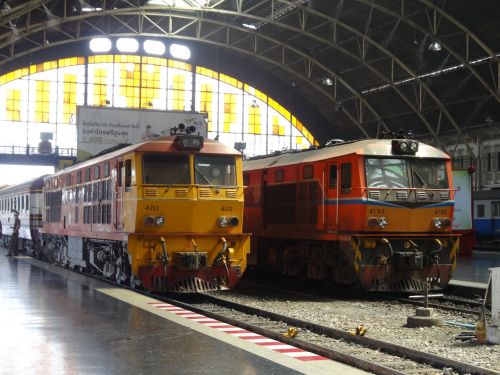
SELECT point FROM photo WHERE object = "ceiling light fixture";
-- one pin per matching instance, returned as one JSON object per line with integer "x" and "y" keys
{"x": 327, "y": 81}
{"x": 435, "y": 46}
{"x": 100, "y": 45}
{"x": 249, "y": 26}
{"x": 128, "y": 45}
{"x": 154, "y": 47}
{"x": 180, "y": 51}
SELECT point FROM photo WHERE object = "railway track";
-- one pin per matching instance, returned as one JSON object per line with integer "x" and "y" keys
{"x": 450, "y": 304}
{"x": 366, "y": 353}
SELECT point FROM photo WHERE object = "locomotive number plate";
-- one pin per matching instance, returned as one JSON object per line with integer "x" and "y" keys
{"x": 227, "y": 208}
{"x": 152, "y": 208}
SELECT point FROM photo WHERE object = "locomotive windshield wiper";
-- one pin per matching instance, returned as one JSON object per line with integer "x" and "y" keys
{"x": 421, "y": 179}
{"x": 206, "y": 179}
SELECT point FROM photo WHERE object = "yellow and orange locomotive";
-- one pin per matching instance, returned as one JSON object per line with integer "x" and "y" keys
{"x": 165, "y": 215}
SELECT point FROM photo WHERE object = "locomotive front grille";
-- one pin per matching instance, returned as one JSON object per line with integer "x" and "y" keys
{"x": 150, "y": 192}
{"x": 181, "y": 193}
{"x": 402, "y": 194}
{"x": 374, "y": 194}
{"x": 421, "y": 195}
{"x": 204, "y": 193}
{"x": 444, "y": 195}
{"x": 231, "y": 193}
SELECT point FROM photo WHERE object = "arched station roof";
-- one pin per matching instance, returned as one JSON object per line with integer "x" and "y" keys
{"x": 346, "y": 68}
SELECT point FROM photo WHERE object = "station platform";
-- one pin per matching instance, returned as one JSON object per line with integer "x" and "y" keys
{"x": 475, "y": 270}
{"x": 55, "y": 321}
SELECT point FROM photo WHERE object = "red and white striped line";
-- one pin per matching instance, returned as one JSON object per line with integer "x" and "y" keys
{"x": 241, "y": 333}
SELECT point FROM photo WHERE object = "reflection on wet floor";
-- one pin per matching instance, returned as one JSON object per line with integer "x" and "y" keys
{"x": 476, "y": 268}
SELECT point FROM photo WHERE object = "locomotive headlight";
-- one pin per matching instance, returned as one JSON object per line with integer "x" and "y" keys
{"x": 149, "y": 220}
{"x": 160, "y": 221}
{"x": 223, "y": 221}
{"x": 403, "y": 146}
{"x": 413, "y": 146}
{"x": 234, "y": 221}
{"x": 382, "y": 222}
{"x": 437, "y": 222}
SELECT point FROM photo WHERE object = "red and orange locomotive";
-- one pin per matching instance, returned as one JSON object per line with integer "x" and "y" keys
{"x": 375, "y": 212}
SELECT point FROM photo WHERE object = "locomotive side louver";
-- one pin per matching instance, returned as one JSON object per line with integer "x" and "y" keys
{"x": 374, "y": 194}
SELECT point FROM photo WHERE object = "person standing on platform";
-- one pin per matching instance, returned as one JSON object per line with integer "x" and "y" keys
{"x": 15, "y": 235}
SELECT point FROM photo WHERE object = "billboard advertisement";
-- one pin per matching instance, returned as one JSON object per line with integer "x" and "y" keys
{"x": 462, "y": 218}
{"x": 100, "y": 128}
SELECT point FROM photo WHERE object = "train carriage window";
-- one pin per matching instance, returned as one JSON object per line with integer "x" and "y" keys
{"x": 97, "y": 172}
{"x": 246, "y": 179}
{"x": 110, "y": 192}
{"x": 27, "y": 202}
{"x": 480, "y": 210}
{"x": 106, "y": 170}
{"x": 345, "y": 178}
{"x": 166, "y": 169}
{"x": 279, "y": 175}
{"x": 79, "y": 177}
{"x": 495, "y": 208}
{"x": 68, "y": 179}
{"x": 332, "y": 181}
{"x": 87, "y": 175}
{"x": 95, "y": 191}
{"x": 308, "y": 172}
{"x": 215, "y": 170}
{"x": 119, "y": 173}
{"x": 77, "y": 213}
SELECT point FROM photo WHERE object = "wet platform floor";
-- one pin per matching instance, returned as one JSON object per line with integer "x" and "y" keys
{"x": 54, "y": 321}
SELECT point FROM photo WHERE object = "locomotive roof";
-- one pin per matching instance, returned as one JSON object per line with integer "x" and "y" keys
{"x": 371, "y": 147}
{"x": 160, "y": 144}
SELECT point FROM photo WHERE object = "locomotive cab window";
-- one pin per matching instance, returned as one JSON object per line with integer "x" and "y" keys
{"x": 215, "y": 170}
{"x": 161, "y": 169}
{"x": 279, "y": 175}
{"x": 429, "y": 174}
{"x": 386, "y": 173}
{"x": 246, "y": 179}
{"x": 308, "y": 172}
{"x": 345, "y": 178}
{"x": 128, "y": 174}
{"x": 332, "y": 182}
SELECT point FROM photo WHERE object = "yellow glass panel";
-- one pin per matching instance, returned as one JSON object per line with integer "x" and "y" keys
{"x": 207, "y": 72}
{"x": 231, "y": 81}
{"x": 180, "y": 65}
